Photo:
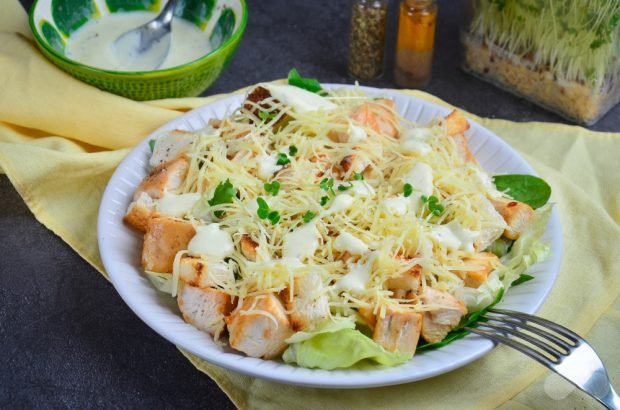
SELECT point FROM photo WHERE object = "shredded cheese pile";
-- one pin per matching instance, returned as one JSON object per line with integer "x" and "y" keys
{"x": 367, "y": 231}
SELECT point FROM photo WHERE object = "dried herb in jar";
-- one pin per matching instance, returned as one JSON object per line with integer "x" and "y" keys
{"x": 367, "y": 39}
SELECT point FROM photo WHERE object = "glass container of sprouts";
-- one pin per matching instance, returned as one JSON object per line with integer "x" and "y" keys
{"x": 561, "y": 54}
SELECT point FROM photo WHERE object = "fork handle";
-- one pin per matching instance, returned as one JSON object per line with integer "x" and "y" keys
{"x": 611, "y": 400}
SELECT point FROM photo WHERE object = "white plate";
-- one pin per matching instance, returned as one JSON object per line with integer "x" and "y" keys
{"x": 120, "y": 249}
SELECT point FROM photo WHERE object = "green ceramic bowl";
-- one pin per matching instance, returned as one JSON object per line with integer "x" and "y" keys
{"x": 222, "y": 21}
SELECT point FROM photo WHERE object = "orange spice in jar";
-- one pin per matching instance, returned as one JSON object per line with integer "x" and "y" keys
{"x": 415, "y": 43}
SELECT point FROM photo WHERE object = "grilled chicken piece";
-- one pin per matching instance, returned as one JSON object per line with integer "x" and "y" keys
{"x": 398, "y": 330}
{"x": 437, "y": 323}
{"x": 518, "y": 215}
{"x": 165, "y": 177}
{"x": 255, "y": 99}
{"x": 366, "y": 313}
{"x": 197, "y": 272}
{"x": 409, "y": 281}
{"x": 139, "y": 212}
{"x": 248, "y": 247}
{"x": 482, "y": 264}
{"x": 205, "y": 308}
{"x": 309, "y": 305}
{"x": 215, "y": 123}
{"x": 256, "y": 96}
{"x": 338, "y": 136}
{"x": 379, "y": 116}
{"x": 164, "y": 237}
{"x": 354, "y": 163}
{"x": 323, "y": 163}
{"x": 462, "y": 146}
{"x": 456, "y": 125}
{"x": 400, "y": 293}
{"x": 170, "y": 146}
{"x": 346, "y": 256}
{"x": 259, "y": 334}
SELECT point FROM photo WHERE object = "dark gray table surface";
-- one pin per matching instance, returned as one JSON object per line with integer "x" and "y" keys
{"x": 66, "y": 337}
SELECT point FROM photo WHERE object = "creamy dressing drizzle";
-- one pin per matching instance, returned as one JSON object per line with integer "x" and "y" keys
{"x": 345, "y": 242}
{"x": 453, "y": 236}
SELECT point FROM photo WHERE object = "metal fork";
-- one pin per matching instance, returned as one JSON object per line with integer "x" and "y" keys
{"x": 554, "y": 346}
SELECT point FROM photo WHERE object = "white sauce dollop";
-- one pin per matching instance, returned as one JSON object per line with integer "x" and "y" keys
{"x": 421, "y": 178}
{"x": 301, "y": 243}
{"x": 397, "y": 206}
{"x": 356, "y": 133}
{"x": 359, "y": 274}
{"x": 297, "y": 98}
{"x": 177, "y": 205}
{"x": 345, "y": 242}
{"x": 340, "y": 203}
{"x": 93, "y": 43}
{"x": 210, "y": 240}
{"x": 362, "y": 189}
{"x": 267, "y": 166}
{"x": 413, "y": 140}
{"x": 453, "y": 236}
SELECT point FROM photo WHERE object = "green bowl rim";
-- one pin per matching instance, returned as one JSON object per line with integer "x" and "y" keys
{"x": 128, "y": 74}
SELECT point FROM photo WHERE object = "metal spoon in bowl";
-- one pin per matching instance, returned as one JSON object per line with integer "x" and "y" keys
{"x": 147, "y": 46}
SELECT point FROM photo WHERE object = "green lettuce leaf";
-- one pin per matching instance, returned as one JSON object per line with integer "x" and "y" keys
{"x": 341, "y": 349}
{"x": 532, "y": 190}
{"x": 309, "y": 84}
{"x": 161, "y": 281}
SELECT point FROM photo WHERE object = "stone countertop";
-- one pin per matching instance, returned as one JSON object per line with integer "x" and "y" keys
{"x": 68, "y": 340}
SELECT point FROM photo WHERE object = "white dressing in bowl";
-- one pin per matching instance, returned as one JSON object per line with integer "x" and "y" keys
{"x": 93, "y": 43}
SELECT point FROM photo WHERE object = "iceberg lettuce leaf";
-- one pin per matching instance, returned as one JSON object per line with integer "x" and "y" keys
{"x": 161, "y": 281}
{"x": 341, "y": 349}
{"x": 527, "y": 250}
{"x": 332, "y": 325}
{"x": 476, "y": 299}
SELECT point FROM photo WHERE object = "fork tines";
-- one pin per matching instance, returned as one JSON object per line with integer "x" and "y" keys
{"x": 546, "y": 342}
{"x": 552, "y": 345}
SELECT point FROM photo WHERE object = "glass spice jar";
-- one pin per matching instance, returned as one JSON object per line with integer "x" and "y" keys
{"x": 416, "y": 40}
{"x": 367, "y": 38}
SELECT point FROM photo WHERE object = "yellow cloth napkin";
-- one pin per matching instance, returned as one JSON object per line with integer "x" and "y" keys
{"x": 60, "y": 140}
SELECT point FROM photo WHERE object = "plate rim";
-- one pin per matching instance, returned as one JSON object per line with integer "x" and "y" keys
{"x": 316, "y": 377}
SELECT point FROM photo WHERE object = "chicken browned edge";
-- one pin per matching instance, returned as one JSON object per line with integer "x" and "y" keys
{"x": 256, "y": 96}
